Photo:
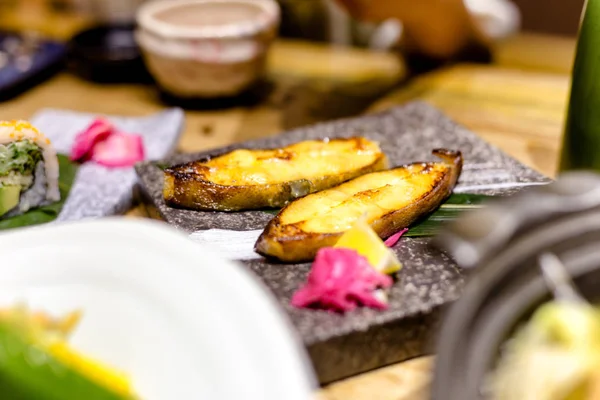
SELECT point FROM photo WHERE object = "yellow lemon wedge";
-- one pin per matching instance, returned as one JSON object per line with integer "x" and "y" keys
{"x": 363, "y": 239}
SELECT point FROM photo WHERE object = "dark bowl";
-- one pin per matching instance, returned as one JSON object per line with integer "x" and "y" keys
{"x": 506, "y": 285}
{"x": 108, "y": 54}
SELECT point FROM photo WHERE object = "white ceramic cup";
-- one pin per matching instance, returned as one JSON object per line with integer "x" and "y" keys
{"x": 206, "y": 48}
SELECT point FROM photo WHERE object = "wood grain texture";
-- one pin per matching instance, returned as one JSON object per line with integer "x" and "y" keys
{"x": 409, "y": 380}
{"x": 519, "y": 111}
{"x": 537, "y": 53}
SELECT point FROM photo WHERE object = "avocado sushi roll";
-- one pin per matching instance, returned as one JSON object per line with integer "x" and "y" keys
{"x": 28, "y": 169}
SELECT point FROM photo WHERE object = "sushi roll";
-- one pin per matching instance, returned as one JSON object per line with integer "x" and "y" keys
{"x": 28, "y": 169}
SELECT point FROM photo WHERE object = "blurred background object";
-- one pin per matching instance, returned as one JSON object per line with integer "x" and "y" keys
{"x": 557, "y": 17}
{"x": 319, "y": 20}
{"x": 206, "y": 49}
{"x": 327, "y": 63}
{"x": 582, "y": 133}
{"x": 508, "y": 245}
{"x": 108, "y": 53}
{"x": 108, "y": 11}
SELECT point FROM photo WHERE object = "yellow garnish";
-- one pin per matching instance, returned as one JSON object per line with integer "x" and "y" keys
{"x": 105, "y": 376}
{"x": 50, "y": 334}
{"x": 363, "y": 239}
{"x": 20, "y": 125}
{"x": 39, "y": 325}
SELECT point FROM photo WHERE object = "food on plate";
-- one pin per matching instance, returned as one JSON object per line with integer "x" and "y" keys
{"x": 253, "y": 179}
{"x": 37, "y": 363}
{"x": 83, "y": 146}
{"x": 351, "y": 273}
{"x": 362, "y": 238}
{"x": 104, "y": 144}
{"x": 389, "y": 201}
{"x": 555, "y": 356}
{"x": 28, "y": 169}
{"x": 340, "y": 280}
{"x": 395, "y": 238}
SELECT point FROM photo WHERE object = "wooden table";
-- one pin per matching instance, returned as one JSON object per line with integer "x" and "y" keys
{"x": 518, "y": 104}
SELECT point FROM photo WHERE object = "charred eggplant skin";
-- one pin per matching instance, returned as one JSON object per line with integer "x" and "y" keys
{"x": 290, "y": 243}
{"x": 187, "y": 185}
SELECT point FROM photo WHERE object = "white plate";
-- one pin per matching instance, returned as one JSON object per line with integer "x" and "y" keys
{"x": 182, "y": 321}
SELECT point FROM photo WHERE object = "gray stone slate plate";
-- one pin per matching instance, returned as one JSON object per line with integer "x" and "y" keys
{"x": 345, "y": 345}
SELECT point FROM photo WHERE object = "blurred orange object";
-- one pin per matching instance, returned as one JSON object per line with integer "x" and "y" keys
{"x": 437, "y": 28}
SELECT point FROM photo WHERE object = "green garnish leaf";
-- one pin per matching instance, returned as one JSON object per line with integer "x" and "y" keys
{"x": 27, "y": 372}
{"x": 431, "y": 225}
{"x": 45, "y": 214}
{"x": 456, "y": 204}
{"x": 21, "y": 156}
{"x": 272, "y": 211}
{"x": 456, "y": 199}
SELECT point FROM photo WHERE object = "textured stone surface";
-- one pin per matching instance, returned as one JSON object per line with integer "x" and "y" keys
{"x": 343, "y": 345}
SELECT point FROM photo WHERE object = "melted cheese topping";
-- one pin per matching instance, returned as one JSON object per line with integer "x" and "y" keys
{"x": 304, "y": 160}
{"x": 375, "y": 194}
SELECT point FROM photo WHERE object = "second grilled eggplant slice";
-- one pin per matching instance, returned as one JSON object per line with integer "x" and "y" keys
{"x": 253, "y": 179}
{"x": 389, "y": 200}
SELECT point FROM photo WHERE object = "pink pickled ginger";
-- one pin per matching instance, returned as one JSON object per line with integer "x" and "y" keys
{"x": 392, "y": 240}
{"x": 341, "y": 279}
{"x": 102, "y": 143}
{"x": 84, "y": 143}
{"x": 119, "y": 150}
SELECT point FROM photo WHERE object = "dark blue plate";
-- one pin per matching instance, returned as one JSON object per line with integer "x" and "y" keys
{"x": 26, "y": 62}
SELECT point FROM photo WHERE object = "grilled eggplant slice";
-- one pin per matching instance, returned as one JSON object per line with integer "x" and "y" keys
{"x": 389, "y": 200}
{"x": 254, "y": 179}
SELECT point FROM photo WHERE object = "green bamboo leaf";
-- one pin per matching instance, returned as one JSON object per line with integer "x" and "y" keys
{"x": 466, "y": 199}
{"x": 449, "y": 211}
{"x": 45, "y": 214}
{"x": 431, "y": 225}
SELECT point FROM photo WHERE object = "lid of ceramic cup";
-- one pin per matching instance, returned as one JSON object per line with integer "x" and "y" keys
{"x": 197, "y": 19}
